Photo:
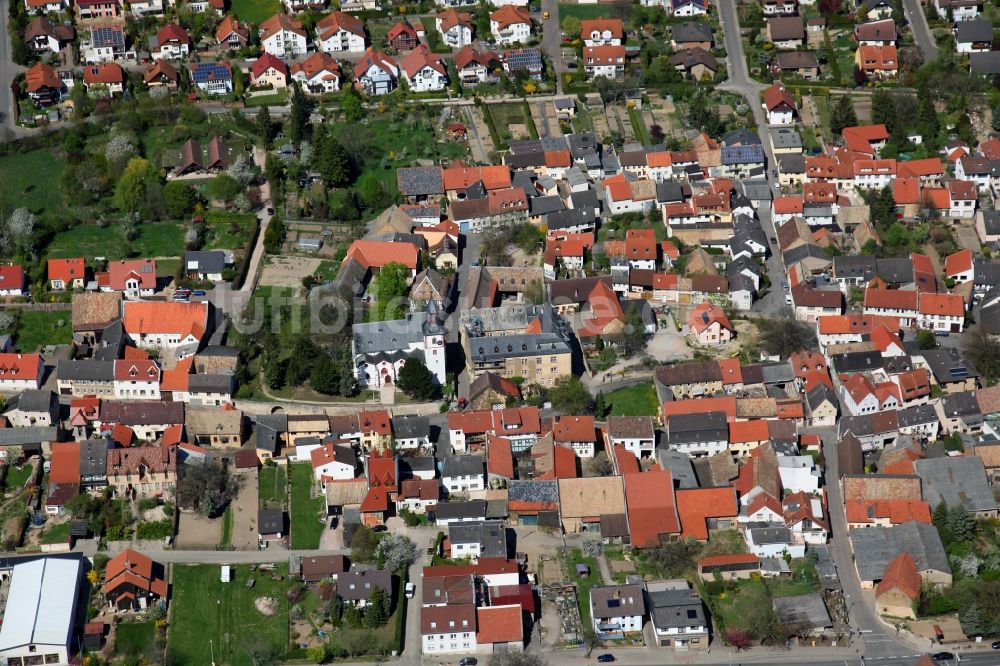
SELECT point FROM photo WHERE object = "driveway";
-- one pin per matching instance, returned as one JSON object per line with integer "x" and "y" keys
{"x": 244, "y": 511}
{"x": 668, "y": 344}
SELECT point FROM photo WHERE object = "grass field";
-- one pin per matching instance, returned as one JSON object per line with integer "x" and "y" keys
{"x": 56, "y": 534}
{"x": 306, "y": 525}
{"x": 133, "y": 638}
{"x": 228, "y": 230}
{"x": 638, "y": 400}
{"x": 208, "y": 615}
{"x": 584, "y": 12}
{"x": 15, "y": 477}
{"x": 277, "y": 99}
{"x": 31, "y": 180}
{"x": 271, "y": 487}
{"x": 37, "y": 328}
{"x": 583, "y": 585}
{"x": 255, "y": 11}
{"x": 505, "y": 115}
{"x": 639, "y": 127}
{"x": 156, "y": 239}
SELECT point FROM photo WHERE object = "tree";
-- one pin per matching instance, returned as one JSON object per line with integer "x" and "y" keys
{"x": 20, "y": 231}
{"x": 335, "y": 608}
{"x": 674, "y": 558}
{"x": 274, "y": 236}
{"x": 983, "y": 350}
{"x": 589, "y": 638}
{"x": 351, "y": 105}
{"x": 570, "y": 396}
{"x": 133, "y": 187}
{"x": 995, "y": 118}
{"x": 571, "y": 26}
{"x": 738, "y": 638}
{"x": 517, "y": 659}
{"x": 299, "y": 126}
{"x": 325, "y": 375}
{"x": 926, "y": 339}
{"x": 842, "y": 115}
{"x": 372, "y": 192}
{"x": 415, "y": 380}
{"x": 396, "y": 552}
{"x": 333, "y": 162}
{"x": 244, "y": 171}
{"x": 179, "y": 198}
{"x": 600, "y": 464}
{"x": 829, "y": 7}
{"x": 601, "y": 408}
{"x": 783, "y": 336}
{"x": 363, "y": 544}
{"x": 316, "y": 654}
{"x": 391, "y": 287}
{"x": 376, "y": 613}
{"x": 268, "y": 129}
{"x": 632, "y": 339}
{"x": 223, "y": 188}
{"x": 883, "y": 109}
{"x": 207, "y": 488}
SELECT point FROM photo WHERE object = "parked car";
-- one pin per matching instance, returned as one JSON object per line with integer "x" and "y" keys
{"x": 605, "y": 658}
{"x": 379, "y": 528}
{"x": 468, "y": 661}
{"x": 942, "y": 656}
{"x": 198, "y": 292}
{"x": 411, "y": 589}
{"x": 270, "y": 211}
{"x": 333, "y": 523}
{"x": 996, "y": 645}
{"x": 180, "y": 298}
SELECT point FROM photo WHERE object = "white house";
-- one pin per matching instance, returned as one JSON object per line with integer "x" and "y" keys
{"x": 333, "y": 462}
{"x": 799, "y": 473}
{"x": 376, "y": 72}
{"x": 606, "y": 60}
{"x": 576, "y": 432}
{"x": 424, "y": 72}
{"x": 462, "y": 474}
{"x": 411, "y": 432}
{"x": 617, "y": 609}
{"x": 941, "y": 312}
{"x": 635, "y": 433}
{"x": 318, "y": 74}
{"x": 449, "y": 629}
{"x": 338, "y": 32}
{"x": 381, "y": 348}
{"x": 136, "y": 379}
{"x": 175, "y": 326}
{"x": 773, "y": 541}
{"x": 455, "y": 28}
{"x": 779, "y": 105}
{"x": 598, "y": 32}
{"x": 19, "y": 372}
{"x": 510, "y": 25}
{"x": 282, "y": 35}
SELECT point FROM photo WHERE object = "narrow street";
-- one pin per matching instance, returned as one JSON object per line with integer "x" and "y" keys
{"x": 914, "y": 11}
{"x": 552, "y": 40}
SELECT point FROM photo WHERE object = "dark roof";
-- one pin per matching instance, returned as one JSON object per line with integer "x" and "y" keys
{"x": 86, "y": 370}
{"x": 94, "y": 457}
{"x": 692, "y": 31}
{"x": 142, "y": 413}
{"x": 410, "y": 426}
{"x": 489, "y": 534}
{"x": 985, "y": 62}
{"x": 741, "y": 137}
{"x": 677, "y": 608}
{"x": 617, "y": 601}
{"x": 948, "y": 365}
{"x": 974, "y": 31}
{"x": 420, "y": 181}
{"x": 457, "y": 510}
{"x": 359, "y": 585}
{"x": 270, "y": 521}
{"x": 207, "y": 261}
{"x": 467, "y": 465}
{"x": 533, "y": 491}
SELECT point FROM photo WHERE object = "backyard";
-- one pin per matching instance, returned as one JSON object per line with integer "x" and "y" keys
{"x": 31, "y": 180}
{"x": 271, "y": 487}
{"x": 228, "y": 623}
{"x": 585, "y": 12}
{"x": 583, "y": 583}
{"x": 227, "y": 230}
{"x": 638, "y": 400}
{"x": 510, "y": 122}
{"x": 307, "y": 527}
{"x": 34, "y": 329}
{"x": 155, "y": 239}
{"x": 255, "y": 11}
{"x": 133, "y": 638}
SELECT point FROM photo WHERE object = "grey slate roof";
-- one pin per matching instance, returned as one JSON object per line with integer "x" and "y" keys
{"x": 875, "y": 547}
{"x": 30, "y": 435}
{"x": 532, "y": 491}
{"x": 956, "y": 482}
{"x": 94, "y": 457}
{"x": 741, "y": 136}
{"x": 571, "y": 217}
{"x": 809, "y": 609}
{"x": 916, "y": 415}
{"x": 31, "y": 400}
{"x": 86, "y": 370}
{"x": 947, "y": 365}
{"x": 691, "y": 31}
{"x": 208, "y": 261}
{"x": 270, "y": 521}
{"x": 987, "y": 62}
{"x": 213, "y": 383}
{"x": 545, "y": 205}
{"x": 786, "y": 138}
{"x": 414, "y": 464}
{"x": 489, "y": 534}
{"x": 467, "y": 465}
{"x": 676, "y": 608}
{"x": 461, "y": 510}
{"x": 617, "y": 601}
{"x": 979, "y": 30}
{"x": 697, "y": 428}
{"x": 420, "y": 181}
{"x": 770, "y": 535}
{"x": 680, "y": 467}
{"x": 411, "y": 426}
{"x": 359, "y": 585}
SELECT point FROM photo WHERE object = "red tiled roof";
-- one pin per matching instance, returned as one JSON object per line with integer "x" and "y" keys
{"x": 748, "y": 431}
{"x": 499, "y": 458}
{"x": 106, "y": 73}
{"x": 65, "y": 462}
{"x": 379, "y": 253}
{"x": 696, "y": 505}
{"x": 725, "y": 404}
{"x": 66, "y": 270}
{"x": 891, "y": 299}
{"x": 573, "y": 429}
{"x": 900, "y": 574}
{"x": 268, "y": 61}
{"x": 651, "y": 507}
{"x": 945, "y": 305}
{"x": 614, "y": 26}
{"x": 19, "y": 366}
{"x": 776, "y": 96}
{"x": 143, "y": 317}
{"x": 897, "y": 511}
{"x": 958, "y": 262}
{"x": 499, "y": 624}
{"x": 723, "y": 560}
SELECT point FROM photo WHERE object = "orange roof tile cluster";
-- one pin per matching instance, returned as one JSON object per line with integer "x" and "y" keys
{"x": 67, "y": 270}
{"x": 872, "y": 58}
{"x": 896, "y": 511}
{"x": 460, "y": 177}
{"x": 499, "y": 457}
{"x": 901, "y": 574}
{"x": 151, "y": 317}
{"x": 706, "y": 314}
{"x": 134, "y": 569}
{"x": 696, "y": 505}
{"x": 651, "y": 507}
{"x": 499, "y": 624}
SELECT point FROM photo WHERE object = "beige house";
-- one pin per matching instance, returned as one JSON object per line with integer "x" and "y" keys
{"x": 306, "y": 425}
{"x": 222, "y": 427}
{"x": 143, "y": 471}
{"x": 899, "y": 589}
{"x": 582, "y": 502}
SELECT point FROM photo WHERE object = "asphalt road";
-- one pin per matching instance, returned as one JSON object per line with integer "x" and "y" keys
{"x": 552, "y": 40}
{"x": 914, "y": 11}
{"x": 8, "y": 70}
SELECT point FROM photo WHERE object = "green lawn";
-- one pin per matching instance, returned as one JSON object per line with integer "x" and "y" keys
{"x": 271, "y": 486}
{"x": 255, "y": 11}
{"x": 15, "y": 477}
{"x": 56, "y": 534}
{"x": 276, "y": 99}
{"x": 638, "y": 400}
{"x": 31, "y": 180}
{"x": 37, "y": 328}
{"x": 306, "y": 526}
{"x": 228, "y": 230}
{"x": 208, "y": 615}
{"x": 584, "y": 12}
{"x": 732, "y": 607}
{"x": 133, "y": 638}
{"x": 227, "y": 527}
{"x": 167, "y": 268}
{"x": 639, "y": 127}
{"x": 583, "y": 585}
{"x": 504, "y": 115}
{"x": 156, "y": 239}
